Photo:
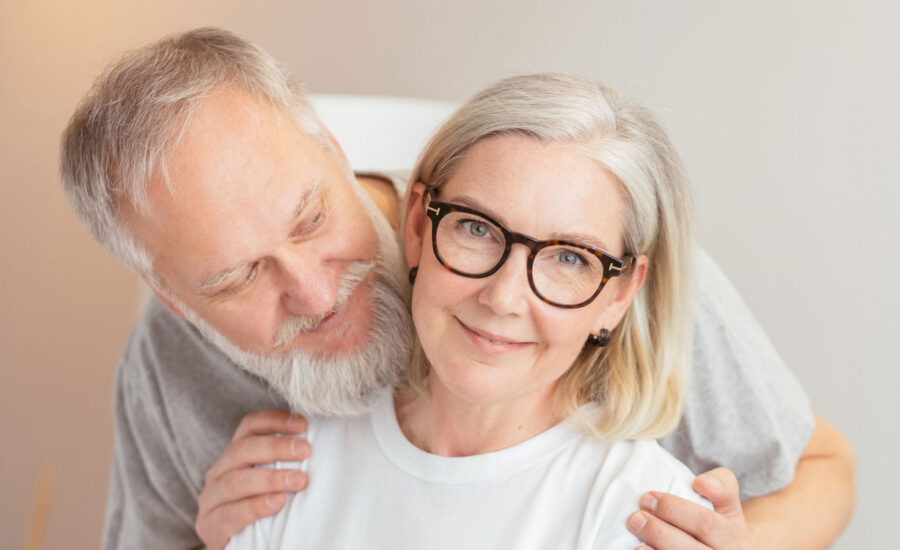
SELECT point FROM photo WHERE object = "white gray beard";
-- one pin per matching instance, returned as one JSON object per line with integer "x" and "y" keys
{"x": 339, "y": 386}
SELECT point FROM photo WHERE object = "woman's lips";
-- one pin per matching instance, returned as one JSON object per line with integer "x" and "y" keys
{"x": 489, "y": 342}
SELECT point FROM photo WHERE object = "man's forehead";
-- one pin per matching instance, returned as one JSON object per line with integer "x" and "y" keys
{"x": 221, "y": 238}
{"x": 200, "y": 238}
{"x": 241, "y": 173}
{"x": 235, "y": 161}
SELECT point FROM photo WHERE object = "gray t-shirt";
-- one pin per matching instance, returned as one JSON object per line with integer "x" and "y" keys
{"x": 178, "y": 401}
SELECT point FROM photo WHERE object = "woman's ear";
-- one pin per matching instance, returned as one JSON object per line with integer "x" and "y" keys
{"x": 414, "y": 225}
{"x": 626, "y": 288}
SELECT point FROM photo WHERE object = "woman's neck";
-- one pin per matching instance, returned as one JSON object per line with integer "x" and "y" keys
{"x": 446, "y": 424}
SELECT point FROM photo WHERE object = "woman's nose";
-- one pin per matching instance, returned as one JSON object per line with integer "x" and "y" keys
{"x": 506, "y": 291}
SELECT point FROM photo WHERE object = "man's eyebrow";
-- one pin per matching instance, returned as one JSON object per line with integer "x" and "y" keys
{"x": 579, "y": 238}
{"x": 217, "y": 278}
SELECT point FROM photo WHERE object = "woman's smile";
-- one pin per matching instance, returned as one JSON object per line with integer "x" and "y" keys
{"x": 492, "y": 343}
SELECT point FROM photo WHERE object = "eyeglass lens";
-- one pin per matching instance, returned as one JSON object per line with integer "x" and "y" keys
{"x": 474, "y": 245}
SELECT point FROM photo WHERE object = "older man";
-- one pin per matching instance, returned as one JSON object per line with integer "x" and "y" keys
{"x": 198, "y": 163}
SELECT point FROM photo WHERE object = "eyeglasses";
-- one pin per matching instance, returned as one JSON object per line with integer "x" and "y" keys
{"x": 561, "y": 273}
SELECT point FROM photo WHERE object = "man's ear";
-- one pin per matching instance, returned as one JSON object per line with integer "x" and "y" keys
{"x": 167, "y": 302}
{"x": 414, "y": 226}
{"x": 626, "y": 288}
{"x": 337, "y": 146}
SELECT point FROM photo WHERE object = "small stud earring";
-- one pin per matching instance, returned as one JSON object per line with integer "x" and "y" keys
{"x": 413, "y": 271}
{"x": 599, "y": 341}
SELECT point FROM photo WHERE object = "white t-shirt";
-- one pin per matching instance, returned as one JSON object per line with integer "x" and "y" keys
{"x": 371, "y": 488}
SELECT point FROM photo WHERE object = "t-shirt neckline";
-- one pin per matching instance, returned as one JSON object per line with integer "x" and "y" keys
{"x": 466, "y": 469}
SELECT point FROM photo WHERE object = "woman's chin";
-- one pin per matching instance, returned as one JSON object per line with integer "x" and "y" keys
{"x": 475, "y": 385}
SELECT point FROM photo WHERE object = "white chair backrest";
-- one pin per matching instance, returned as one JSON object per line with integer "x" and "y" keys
{"x": 381, "y": 133}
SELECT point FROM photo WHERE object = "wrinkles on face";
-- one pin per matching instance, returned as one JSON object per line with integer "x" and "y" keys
{"x": 293, "y": 325}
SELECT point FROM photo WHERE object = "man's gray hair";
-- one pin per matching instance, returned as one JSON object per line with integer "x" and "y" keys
{"x": 137, "y": 112}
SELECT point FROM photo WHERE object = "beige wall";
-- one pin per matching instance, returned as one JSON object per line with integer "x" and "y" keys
{"x": 786, "y": 113}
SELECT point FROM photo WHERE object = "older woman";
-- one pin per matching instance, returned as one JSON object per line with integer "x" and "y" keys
{"x": 548, "y": 233}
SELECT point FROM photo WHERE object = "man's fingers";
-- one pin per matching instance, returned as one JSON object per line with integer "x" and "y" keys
{"x": 249, "y": 482}
{"x": 256, "y": 450}
{"x": 720, "y": 487}
{"x": 270, "y": 421}
{"x": 219, "y": 525}
{"x": 704, "y": 524}
{"x": 660, "y": 535}
{"x": 236, "y": 493}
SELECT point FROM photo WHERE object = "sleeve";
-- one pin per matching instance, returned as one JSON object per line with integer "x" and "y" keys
{"x": 647, "y": 467}
{"x": 744, "y": 409}
{"x": 150, "y": 503}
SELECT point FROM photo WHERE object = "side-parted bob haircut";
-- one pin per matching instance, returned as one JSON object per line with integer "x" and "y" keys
{"x": 638, "y": 379}
{"x": 138, "y": 110}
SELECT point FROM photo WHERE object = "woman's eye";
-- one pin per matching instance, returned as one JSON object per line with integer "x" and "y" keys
{"x": 477, "y": 229}
{"x": 570, "y": 258}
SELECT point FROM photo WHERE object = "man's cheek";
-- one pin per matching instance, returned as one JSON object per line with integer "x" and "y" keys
{"x": 247, "y": 332}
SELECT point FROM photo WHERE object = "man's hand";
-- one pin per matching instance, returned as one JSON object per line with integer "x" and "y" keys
{"x": 667, "y": 522}
{"x": 236, "y": 494}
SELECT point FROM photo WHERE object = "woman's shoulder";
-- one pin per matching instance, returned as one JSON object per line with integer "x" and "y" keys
{"x": 638, "y": 463}
{"x": 644, "y": 465}
{"x": 623, "y": 470}
{"x": 631, "y": 468}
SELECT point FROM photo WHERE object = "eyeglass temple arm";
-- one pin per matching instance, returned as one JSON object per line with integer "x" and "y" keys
{"x": 626, "y": 265}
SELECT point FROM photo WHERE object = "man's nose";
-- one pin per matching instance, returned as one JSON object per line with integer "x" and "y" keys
{"x": 507, "y": 290}
{"x": 308, "y": 282}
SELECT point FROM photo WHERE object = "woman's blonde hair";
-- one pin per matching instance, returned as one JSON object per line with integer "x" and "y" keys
{"x": 638, "y": 378}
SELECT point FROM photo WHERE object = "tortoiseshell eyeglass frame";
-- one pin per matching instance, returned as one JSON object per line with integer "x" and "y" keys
{"x": 612, "y": 266}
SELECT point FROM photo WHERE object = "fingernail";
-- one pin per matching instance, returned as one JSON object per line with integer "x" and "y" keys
{"x": 637, "y": 521}
{"x": 296, "y": 447}
{"x": 292, "y": 479}
{"x": 273, "y": 501}
{"x": 712, "y": 483}
{"x": 648, "y": 502}
{"x": 300, "y": 448}
{"x": 294, "y": 421}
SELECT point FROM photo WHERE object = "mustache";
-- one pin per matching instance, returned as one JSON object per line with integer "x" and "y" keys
{"x": 290, "y": 327}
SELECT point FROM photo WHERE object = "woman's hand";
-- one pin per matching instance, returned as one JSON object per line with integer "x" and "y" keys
{"x": 237, "y": 493}
{"x": 667, "y": 522}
